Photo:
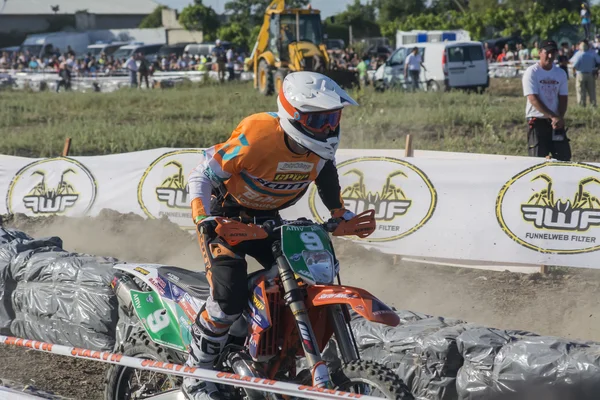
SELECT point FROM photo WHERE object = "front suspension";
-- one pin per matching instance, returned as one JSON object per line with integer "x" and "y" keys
{"x": 294, "y": 299}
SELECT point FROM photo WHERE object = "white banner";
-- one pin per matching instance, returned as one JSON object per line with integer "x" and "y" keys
{"x": 438, "y": 205}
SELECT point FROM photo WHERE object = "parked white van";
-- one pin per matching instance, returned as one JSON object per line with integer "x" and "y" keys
{"x": 127, "y": 50}
{"x": 106, "y": 48}
{"x": 44, "y": 44}
{"x": 449, "y": 65}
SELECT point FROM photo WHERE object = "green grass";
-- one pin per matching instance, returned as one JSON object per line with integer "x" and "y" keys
{"x": 36, "y": 124}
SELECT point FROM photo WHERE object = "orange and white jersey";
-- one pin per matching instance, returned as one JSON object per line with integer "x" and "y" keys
{"x": 258, "y": 170}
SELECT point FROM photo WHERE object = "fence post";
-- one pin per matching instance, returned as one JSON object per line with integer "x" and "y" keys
{"x": 67, "y": 147}
{"x": 408, "y": 152}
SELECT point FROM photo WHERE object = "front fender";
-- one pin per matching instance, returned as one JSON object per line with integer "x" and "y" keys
{"x": 362, "y": 302}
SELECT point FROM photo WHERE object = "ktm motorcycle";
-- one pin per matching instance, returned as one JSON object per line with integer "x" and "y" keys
{"x": 295, "y": 310}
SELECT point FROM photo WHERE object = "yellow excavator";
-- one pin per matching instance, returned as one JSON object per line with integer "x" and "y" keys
{"x": 291, "y": 39}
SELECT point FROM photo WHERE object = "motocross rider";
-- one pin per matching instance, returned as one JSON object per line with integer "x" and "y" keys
{"x": 266, "y": 165}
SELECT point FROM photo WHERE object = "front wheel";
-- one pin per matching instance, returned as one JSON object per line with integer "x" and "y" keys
{"x": 123, "y": 383}
{"x": 370, "y": 378}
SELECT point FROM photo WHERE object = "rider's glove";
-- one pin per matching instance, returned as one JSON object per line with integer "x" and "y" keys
{"x": 342, "y": 213}
{"x": 205, "y": 225}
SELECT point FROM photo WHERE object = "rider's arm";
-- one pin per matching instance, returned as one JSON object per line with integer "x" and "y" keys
{"x": 328, "y": 186}
{"x": 220, "y": 162}
{"x": 201, "y": 182}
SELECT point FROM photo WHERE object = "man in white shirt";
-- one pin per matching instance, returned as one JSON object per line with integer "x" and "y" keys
{"x": 523, "y": 52}
{"x": 545, "y": 86}
{"x": 412, "y": 65}
{"x": 132, "y": 67}
{"x": 230, "y": 65}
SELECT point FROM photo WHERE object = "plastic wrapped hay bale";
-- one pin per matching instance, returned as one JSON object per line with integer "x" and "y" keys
{"x": 61, "y": 297}
{"x": 7, "y": 286}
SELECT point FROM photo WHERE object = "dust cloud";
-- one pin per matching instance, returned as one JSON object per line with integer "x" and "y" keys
{"x": 563, "y": 303}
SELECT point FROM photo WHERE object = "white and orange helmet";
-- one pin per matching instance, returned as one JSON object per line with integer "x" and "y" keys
{"x": 310, "y": 108}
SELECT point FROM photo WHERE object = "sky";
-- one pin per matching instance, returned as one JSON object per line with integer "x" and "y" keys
{"x": 327, "y": 7}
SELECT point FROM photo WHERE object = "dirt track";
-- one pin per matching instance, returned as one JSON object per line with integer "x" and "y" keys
{"x": 563, "y": 303}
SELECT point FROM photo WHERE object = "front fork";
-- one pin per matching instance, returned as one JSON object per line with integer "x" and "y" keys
{"x": 295, "y": 301}
{"x": 343, "y": 334}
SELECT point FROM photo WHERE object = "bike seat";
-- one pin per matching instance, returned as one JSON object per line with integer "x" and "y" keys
{"x": 193, "y": 282}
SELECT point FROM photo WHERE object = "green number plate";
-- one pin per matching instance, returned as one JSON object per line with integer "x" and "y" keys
{"x": 158, "y": 319}
{"x": 298, "y": 241}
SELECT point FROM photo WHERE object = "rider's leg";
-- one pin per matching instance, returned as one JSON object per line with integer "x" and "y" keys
{"x": 226, "y": 271}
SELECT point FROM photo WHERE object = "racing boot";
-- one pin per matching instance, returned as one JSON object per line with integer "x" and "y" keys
{"x": 204, "y": 350}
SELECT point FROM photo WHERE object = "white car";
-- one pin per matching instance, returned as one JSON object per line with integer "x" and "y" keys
{"x": 448, "y": 65}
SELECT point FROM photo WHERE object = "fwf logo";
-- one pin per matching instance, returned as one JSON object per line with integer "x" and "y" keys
{"x": 163, "y": 189}
{"x": 561, "y": 216}
{"x": 402, "y": 196}
{"x": 60, "y": 186}
{"x": 389, "y": 203}
{"x": 546, "y": 212}
{"x": 174, "y": 190}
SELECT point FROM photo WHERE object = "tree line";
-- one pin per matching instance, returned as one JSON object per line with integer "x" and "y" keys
{"x": 483, "y": 19}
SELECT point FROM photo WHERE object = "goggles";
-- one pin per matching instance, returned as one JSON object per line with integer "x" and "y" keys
{"x": 316, "y": 122}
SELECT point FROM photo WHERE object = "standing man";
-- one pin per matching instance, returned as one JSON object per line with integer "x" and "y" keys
{"x": 586, "y": 19}
{"x": 584, "y": 63}
{"x": 412, "y": 65}
{"x": 545, "y": 86}
{"x": 65, "y": 77}
{"x": 143, "y": 70}
{"x": 131, "y": 66}
{"x": 220, "y": 57}
{"x": 230, "y": 65}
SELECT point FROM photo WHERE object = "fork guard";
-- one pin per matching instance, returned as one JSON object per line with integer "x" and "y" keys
{"x": 361, "y": 301}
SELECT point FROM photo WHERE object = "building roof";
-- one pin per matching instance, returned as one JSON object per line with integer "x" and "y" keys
{"x": 44, "y": 7}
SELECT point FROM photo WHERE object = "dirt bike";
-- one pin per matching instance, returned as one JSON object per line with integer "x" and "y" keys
{"x": 294, "y": 310}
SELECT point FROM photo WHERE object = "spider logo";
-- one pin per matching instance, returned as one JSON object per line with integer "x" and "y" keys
{"x": 389, "y": 203}
{"x": 44, "y": 200}
{"x": 173, "y": 191}
{"x": 579, "y": 214}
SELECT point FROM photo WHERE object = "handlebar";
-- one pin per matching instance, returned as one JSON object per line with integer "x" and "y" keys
{"x": 272, "y": 225}
{"x": 235, "y": 230}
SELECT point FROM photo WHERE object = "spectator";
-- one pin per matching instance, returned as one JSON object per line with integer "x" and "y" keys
{"x": 64, "y": 77}
{"x": 501, "y": 57}
{"x": 102, "y": 61}
{"x": 33, "y": 63}
{"x": 535, "y": 51}
{"x": 584, "y": 63}
{"x": 219, "y": 54}
{"x": 546, "y": 89}
{"x": 4, "y": 60}
{"x": 489, "y": 54}
{"x": 70, "y": 61}
{"x": 563, "y": 60}
{"x": 509, "y": 54}
{"x": 201, "y": 62}
{"x": 568, "y": 52}
{"x": 586, "y": 19}
{"x": 412, "y": 65}
{"x": 596, "y": 44}
{"x": 523, "y": 52}
{"x": 230, "y": 66}
{"x": 92, "y": 66}
{"x": 362, "y": 71}
{"x": 131, "y": 66}
{"x": 143, "y": 70}
{"x": 70, "y": 51}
